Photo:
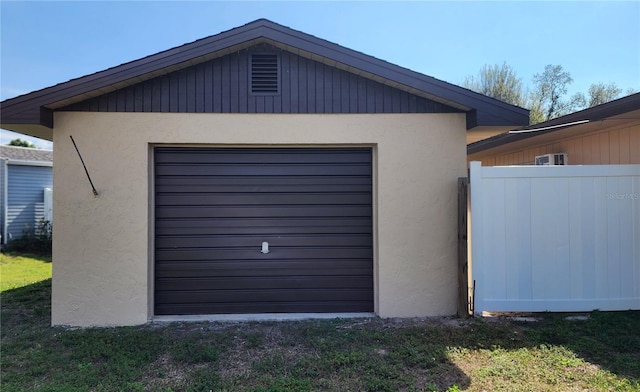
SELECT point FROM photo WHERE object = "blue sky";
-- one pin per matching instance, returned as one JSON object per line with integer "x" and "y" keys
{"x": 45, "y": 43}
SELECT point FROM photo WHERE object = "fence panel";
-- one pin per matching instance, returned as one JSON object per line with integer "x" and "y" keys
{"x": 555, "y": 238}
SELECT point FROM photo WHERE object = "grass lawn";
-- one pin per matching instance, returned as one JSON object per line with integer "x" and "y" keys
{"x": 19, "y": 270}
{"x": 601, "y": 353}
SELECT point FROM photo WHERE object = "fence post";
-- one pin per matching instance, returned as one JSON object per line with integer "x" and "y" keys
{"x": 463, "y": 262}
{"x": 48, "y": 204}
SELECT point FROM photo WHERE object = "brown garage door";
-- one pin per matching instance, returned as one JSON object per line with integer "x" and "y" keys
{"x": 214, "y": 209}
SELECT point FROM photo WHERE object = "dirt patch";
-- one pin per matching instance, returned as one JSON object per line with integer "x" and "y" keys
{"x": 259, "y": 345}
{"x": 164, "y": 372}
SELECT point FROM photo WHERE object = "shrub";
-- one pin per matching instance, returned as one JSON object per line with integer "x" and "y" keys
{"x": 36, "y": 240}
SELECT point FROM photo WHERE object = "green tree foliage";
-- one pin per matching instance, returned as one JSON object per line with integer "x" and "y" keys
{"x": 548, "y": 93}
{"x": 498, "y": 81}
{"x": 21, "y": 143}
{"x": 547, "y": 97}
{"x": 600, "y": 93}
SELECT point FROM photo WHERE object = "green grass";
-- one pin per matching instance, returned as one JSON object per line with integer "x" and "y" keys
{"x": 21, "y": 270}
{"x": 554, "y": 354}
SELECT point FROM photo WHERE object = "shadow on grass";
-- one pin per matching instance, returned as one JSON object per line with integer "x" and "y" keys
{"x": 608, "y": 339}
{"x": 45, "y": 257}
{"x": 27, "y": 305}
{"x": 338, "y": 354}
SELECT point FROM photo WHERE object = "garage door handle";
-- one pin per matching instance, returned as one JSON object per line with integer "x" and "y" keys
{"x": 265, "y": 247}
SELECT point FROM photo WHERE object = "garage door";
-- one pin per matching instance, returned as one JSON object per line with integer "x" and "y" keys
{"x": 263, "y": 230}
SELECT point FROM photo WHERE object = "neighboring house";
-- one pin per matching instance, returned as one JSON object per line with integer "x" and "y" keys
{"x": 26, "y": 183}
{"x": 260, "y": 170}
{"x": 604, "y": 134}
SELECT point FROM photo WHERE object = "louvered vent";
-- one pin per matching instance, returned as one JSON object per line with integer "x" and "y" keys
{"x": 264, "y": 74}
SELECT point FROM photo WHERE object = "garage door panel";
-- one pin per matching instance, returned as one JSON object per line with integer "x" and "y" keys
{"x": 250, "y": 268}
{"x": 275, "y": 295}
{"x": 266, "y": 307}
{"x": 262, "y": 211}
{"x": 255, "y": 242}
{"x": 243, "y": 156}
{"x": 214, "y": 208}
{"x": 254, "y": 253}
{"x": 234, "y": 199}
{"x": 278, "y": 222}
{"x": 205, "y": 186}
{"x": 261, "y": 230}
{"x": 268, "y": 282}
{"x": 337, "y": 180}
{"x": 165, "y": 226}
{"x": 263, "y": 170}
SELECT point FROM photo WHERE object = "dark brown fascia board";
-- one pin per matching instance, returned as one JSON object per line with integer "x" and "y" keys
{"x": 490, "y": 111}
{"x": 34, "y": 115}
{"x": 37, "y": 121}
{"x": 596, "y": 113}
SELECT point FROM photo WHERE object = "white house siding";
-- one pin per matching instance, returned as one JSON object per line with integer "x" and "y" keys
{"x": 3, "y": 197}
{"x": 25, "y": 201}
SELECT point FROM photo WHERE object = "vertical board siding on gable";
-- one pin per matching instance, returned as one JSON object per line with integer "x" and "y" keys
{"x": 222, "y": 86}
{"x": 25, "y": 204}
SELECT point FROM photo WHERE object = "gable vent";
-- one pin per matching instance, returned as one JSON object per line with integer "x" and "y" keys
{"x": 264, "y": 73}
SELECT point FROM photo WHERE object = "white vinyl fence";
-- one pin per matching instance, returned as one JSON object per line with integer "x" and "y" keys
{"x": 555, "y": 238}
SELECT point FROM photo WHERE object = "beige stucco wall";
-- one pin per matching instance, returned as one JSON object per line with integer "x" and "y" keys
{"x": 103, "y": 250}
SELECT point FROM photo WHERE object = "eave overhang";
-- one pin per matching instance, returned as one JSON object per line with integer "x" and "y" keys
{"x": 625, "y": 110}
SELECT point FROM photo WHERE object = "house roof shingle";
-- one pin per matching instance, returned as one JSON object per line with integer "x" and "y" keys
{"x": 15, "y": 153}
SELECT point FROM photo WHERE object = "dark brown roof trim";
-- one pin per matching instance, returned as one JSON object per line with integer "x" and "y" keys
{"x": 488, "y": 111}
{"x": 596, "y": 113}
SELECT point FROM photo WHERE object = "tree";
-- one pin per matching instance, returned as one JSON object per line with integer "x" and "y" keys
{"x": 498, "y": 81}
{"x": 547, "y": 99}
{"x": 600, "y": 93}
{"x": 21, "y": 143}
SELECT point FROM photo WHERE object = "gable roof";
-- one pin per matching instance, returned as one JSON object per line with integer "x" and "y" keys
{"x": 25, "y": 154}
{"x": 620, "y": 111}
{"x": 32, "y": 113}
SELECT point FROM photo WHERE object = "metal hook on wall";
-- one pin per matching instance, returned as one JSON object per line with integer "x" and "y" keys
{"x": 95, "y": 192}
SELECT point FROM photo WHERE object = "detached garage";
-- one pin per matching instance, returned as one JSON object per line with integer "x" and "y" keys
{"x": 260, "y": 170}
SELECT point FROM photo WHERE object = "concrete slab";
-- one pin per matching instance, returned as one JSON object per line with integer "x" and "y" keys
{"x": 258, "y": 317}
{"x": 581, "y": 317}
{"x": 524, "y": 319}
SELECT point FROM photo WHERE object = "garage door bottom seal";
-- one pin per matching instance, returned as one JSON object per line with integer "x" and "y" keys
{"x": 259, "y": 317}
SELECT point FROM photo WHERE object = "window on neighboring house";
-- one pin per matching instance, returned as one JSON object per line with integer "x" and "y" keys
{"x": 264, "y": 74}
